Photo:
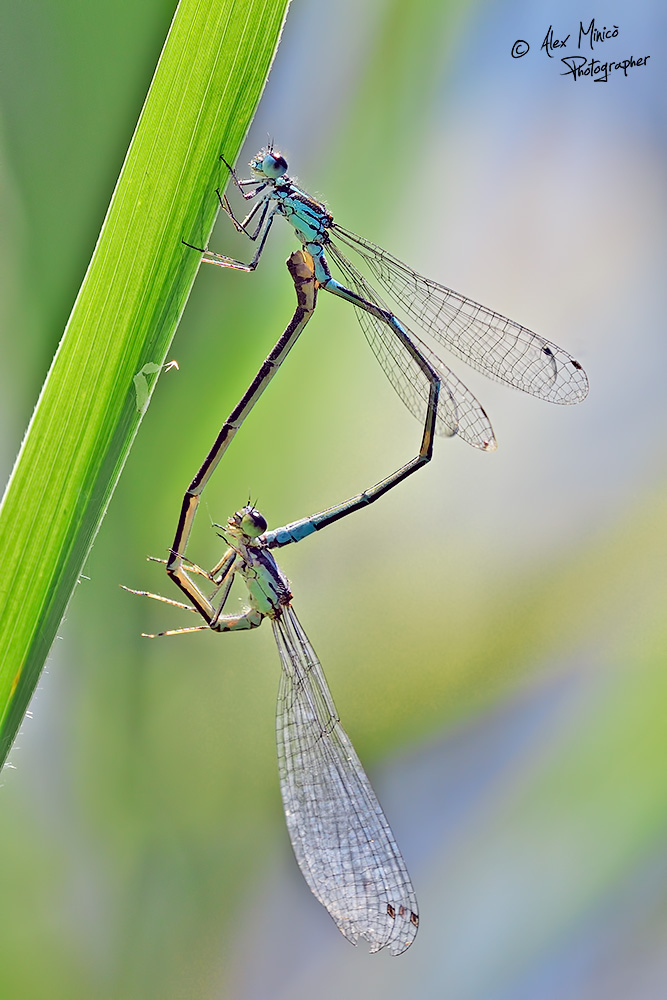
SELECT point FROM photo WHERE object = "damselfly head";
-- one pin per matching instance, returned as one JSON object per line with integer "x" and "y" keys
{"x": 269, "y": 163}
{"x": 248, "y": 521}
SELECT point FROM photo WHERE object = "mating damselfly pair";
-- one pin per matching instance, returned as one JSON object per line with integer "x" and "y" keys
{"x": 341, "y": 838}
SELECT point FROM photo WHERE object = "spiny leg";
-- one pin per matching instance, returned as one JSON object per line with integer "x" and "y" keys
{"x": 241, "y": 226}
{"x": 240, "y": 184}
{"x": 238, "y": 265}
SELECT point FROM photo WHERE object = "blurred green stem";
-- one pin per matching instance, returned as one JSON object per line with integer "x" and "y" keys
{"x": 205, "y": 90}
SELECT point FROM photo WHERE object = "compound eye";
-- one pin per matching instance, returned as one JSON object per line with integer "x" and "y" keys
{"x": 253, "y": 524}
{"x": 274, "y": 165}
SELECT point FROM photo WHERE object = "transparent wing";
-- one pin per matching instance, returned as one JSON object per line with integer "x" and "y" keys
{"x": 340, "y": 836}
{"x": 459, "y": 412}
{"x": 491, "y": 343}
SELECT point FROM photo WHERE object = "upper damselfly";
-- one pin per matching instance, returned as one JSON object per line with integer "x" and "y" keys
{"x": 494, "y": 345}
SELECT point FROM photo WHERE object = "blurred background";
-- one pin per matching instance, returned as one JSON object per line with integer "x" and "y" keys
{"x": 493, "y": 632}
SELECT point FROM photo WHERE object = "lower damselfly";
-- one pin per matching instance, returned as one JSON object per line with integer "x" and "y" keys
{"x": 494, "y": 345}
{"x": 340, "y": 835}
{"x": 342, "y": 841}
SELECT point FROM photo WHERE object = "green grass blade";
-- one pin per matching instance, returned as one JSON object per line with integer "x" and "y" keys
{"x": 205, "y": 90}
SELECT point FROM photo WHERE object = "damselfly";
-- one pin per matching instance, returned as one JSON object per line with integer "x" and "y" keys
{"x": 491, "y": 343}
{"x": 341, "y": 838}
{"x": 340, "y": 835}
